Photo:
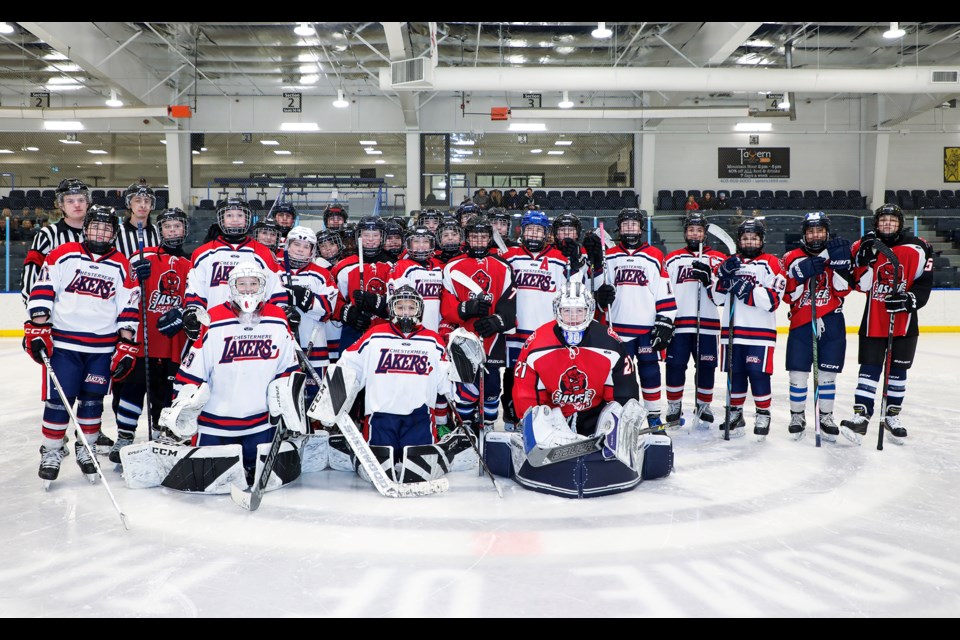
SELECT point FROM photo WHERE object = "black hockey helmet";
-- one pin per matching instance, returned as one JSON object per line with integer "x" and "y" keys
{"x": 695, "y": 219}
{"x": 173, "y": 214}
{"x": 751, "y": 225}
{"x": 141, "y": 189}
{"x": 325, "y": 239}
{"x": 398, "y": 220}
{"x": 334, "y": 210}
{"x": 416, "y": 234}
{"x": 234, "y": 233}
{"x": 289, "y": 209}
{"x": 888, "y": 209}
{"x": 371, "y": 223}
{"x": 267, "y": 232}
{"x": 475, "y": 225}
{"x": 567, "y": 219}
{"x": 71, "y": 186}
{"x": 100, "y": 243}
{"x": 429, "y": 214}
{"x": 449, "y": 225}
{"x": 348, "y": 236}
{"x": 811, "y": 220}
{"x": 631, "y": 240}
{"x": 499, "y": 213}
{"x": 393, "y": 233}
{"x": 467, "y": 211}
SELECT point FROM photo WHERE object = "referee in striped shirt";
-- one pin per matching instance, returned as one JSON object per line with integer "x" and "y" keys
{"x": 140, "y": 201}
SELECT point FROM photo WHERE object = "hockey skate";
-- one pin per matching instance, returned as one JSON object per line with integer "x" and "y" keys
{"x": 104, "y": 443}
{"x": 85, "y": 461}
{"x": 856, "y": 427}
{"x": 896, "y": 432}
{"x": 704, "y": 416}
{"x": 828, "y": 428}
{"x": 675, "y": 418}
{"x": 50, "y": 460}
{"x": 737, "y": 424}
{"x": 761, "y": 425}
{"x": 798, "y": 425}
{"x": 124, "y": 438}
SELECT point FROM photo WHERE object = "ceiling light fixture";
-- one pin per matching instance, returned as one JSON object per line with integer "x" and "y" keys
{"x": 565, "y": 103}
{"x": 114, "y": 101}
{"x": 63, "y": 125}
{"x": 340, "y": 102}
{"x": 527, "y": 126}
{"x": 6, "y": 27}
{"x": 299, "y": 126}
{"x": 894, "y": 32}
{"x": 601, "y": 31}
{"x": 282, "y": 152}
{"x": 368, "y": 143}
{"x": 304, "y": 29}
{"x": 269, "y": 143}
{"x": 753, "y": 126}
{"x": 563, "y": 143}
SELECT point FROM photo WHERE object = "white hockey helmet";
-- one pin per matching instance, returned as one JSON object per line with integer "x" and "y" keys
{"x": 301, "y": 234}
{"x": 248, "y": 287}
{"x": 573, "y": 309}
{"x": 406, "y": 308}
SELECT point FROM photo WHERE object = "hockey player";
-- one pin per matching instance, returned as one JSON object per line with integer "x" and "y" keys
{"x": 752, "y": 281}
{"x": 466, "y": 211}
{"x": 164, "y": 289}
{"x": 393, "y": 234}
{"x": 479, "y": 294}
{"x": 430, "y": 218}
{"x": 819, "y": 269}
{"x": 403, "y": 368}
{"x": 421, "y": 270}
{"x": 267, "y": 232}
{"x": 83, "y": 314}
{"x": 314, "y": 294}
{"x": 449, "y": 241}
{"x": 140, "y": 200}
{"x": 224, "y": 376}
{"x": 691, "y": 277}
{"x": 207, "y": 283}
{"x": 643, "y": 307}
{"x": 348, "y": 235}
{"x": 334, "y": 217}
{"x": 539, "y": 270}
{"x": 901, "y": 295}
{"x": 285, "y": 215}
{"x": 329, "y": 248}
{"x": 501, "y": 221}
{"x": 366, "y": 304}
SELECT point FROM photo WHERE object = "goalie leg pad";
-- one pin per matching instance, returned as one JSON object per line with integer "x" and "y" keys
{"x": 655, "y": 456}
{"x": 587, "y": 476}
{"x": 285, "y": 402}
{"x": 286, "y": 468}
{"x": 460, "y": 454}
{"x": 189, "y": 469}
{"x": 498, "y": 452}
{"x": 384, "y": 456}
{"x": 314, "y": 451}
{"x": 620, "y": 425}
{"x": 545, "y": 427}
{"x": 423, "y": 462}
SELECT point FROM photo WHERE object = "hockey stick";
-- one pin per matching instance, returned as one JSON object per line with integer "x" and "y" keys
{"x": 249, "y": 498}
{"x": 146, "y": 340}
{"x": 483, "y": 463}
{"x": 697, "y": 411}
{"x": 603, "y": 237}
{"x": 361, "y": 449}
{"x": 724, "y": 237}
{"x": 80, "y": 435}
{"x": 498, "y": 240}
{"x": 816, "y": 358}
{"x": 892, "y": 258}
{"x": 543, "y": 456}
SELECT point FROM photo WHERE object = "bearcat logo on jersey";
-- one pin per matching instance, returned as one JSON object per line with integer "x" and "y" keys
{"x": 93, "y": 285}
{"x": 166, "y": 296}
{"x": 429, "y": 290}
{"x": 239, "y": 349}
{"x": 403, "y": 362}
{"x": 221, "y": 273}
{"x": 482, "y": 278}
{"x": 376, "y": 285}
{"x": 535, "y": 280}
{"x": 631, "y": 276}
{"x": 884, "y": 284}
{"x": 574, "y": 390}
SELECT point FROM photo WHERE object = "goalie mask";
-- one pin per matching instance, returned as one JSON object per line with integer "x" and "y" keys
{"x": 301, "y": 247}
{"x": 406, "y": 308}
{"x": 573, "y": 309}
{"x": 248, "y": 287}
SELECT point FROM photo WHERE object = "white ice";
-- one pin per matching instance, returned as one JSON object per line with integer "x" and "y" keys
{"x": 741, "y": 528}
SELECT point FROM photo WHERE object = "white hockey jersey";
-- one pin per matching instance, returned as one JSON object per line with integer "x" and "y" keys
{"x": 88, "y": 297}
{"x": 643, "y": 289}
{"x": 400, "y": 373}
{"x": 686, "y": 287}
{"x": 212, "y": 263}
{"x": 312, "y": 323}
{"x": 537, "y": 278}
{"x": 755, "y": 321}
{"x": 238, "y": 362}
{"x": 427, "y": 280}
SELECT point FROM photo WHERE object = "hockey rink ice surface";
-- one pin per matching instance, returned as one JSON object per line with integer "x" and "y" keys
{"x": 741, "y": 528}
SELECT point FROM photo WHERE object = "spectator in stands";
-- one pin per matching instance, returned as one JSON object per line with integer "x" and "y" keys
{"x": 722, "y": 202}
{"x": 692, "y": 204}
{"x": 527, "y": 198}
{"x": 707, "y": 202}
{"x": 496, "y": 199}
{"x": 481, "y": 199}
{"x": 512, "y": 200}
{"x": 27, "y": 231}
{"x": 431, "y": 199}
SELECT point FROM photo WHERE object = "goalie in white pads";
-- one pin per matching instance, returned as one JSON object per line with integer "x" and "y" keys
{"x": 404, "y": 369}
{"x": 243, "y": 357}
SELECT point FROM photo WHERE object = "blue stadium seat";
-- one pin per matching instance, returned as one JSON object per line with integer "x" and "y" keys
{"x": 751, "y": 193}
{"x": 795, "y": 193}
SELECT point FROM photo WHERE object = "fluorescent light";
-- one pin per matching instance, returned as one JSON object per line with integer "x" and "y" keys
{"x": 308, "y": 68}
{"x": 299, "y": 126}
{"x": 527, "y": 126}
{"x": 5, "y": 151}
{"x": 464, "y": 143}
{"x": 97, "y": 152}
{"x": 32, "y": 149}
{"x": 894, "y": 32}
{"x": 462, "y": 152}
{"x": 601, "y": 31}
{"x": 63, "y": 81}
{"x": 195, "y": 152}
{"x": 282, "y": 152}
{"x": 368, "y": 143}
{"x": 340, "y": 102}
{"x": 71, "y": 142}
{"x": 379, "y": 162}
{"x": 6, "y": 27}
{"x": 310, "y": 79}
{"x": 388, "y": 175}
{"x": 753, "y": 126}
{"x": 555, "y": 152}
{"x": 536, "y": 150}
{"x": 565, "y": 103}
{"x": 98, "y": 162}
{"x": 114, "y": 101}
{"x": 63, "y": 68}
{"x": 269, "y": 143}
{"x": 55, "y": 55}
{"x": 163, "y": 142}
{"x": 203, "y": 148}
{"x": 304, "y": 29}
{"x": 563, "y": 143}
{"x": 63, "y": 87}
{"x": 238, "y": 162}
{"x": 457, "y": 160}
{"x": 374, "y": 152}
{"x": 62, "y": 125}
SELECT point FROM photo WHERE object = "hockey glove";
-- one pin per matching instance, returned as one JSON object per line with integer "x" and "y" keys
{"x": 805, "y": 268}
{"x": 700, "y": 271}
{"x": 605, "y": 295}
{"x": 293, "y": 318}
{"x": 840, "y": 253}
{"x": 371, "y": 302}
{"x": 904, "y": 302}
{"x": 191, "y": 323}
{"x": 141, "y": 269}
{"x": 662, "y": 333}
{"x": 728, "y": 268}
{"x": 124, "y": 359}
{"x": 570, "y": 249}
{"x": 170, "y": 323}
{"x": 490, "y": 325}
{"x": 301, "y": 297}
{"x": 356, "y": 319}
{"x": 36, "y": 338}
{"x": 594, "y": 246}
{"x": 741, "y": 288}
{"x": 866, "y": 254}
{"x": 474, "y": 308}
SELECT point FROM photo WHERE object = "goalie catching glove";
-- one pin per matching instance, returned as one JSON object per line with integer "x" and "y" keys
{"x": 181, "y": 416}
{"x": 465, "y": 352}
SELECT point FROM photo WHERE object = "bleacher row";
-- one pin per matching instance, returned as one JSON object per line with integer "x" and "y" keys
{"x": 19, "y": 199}
{"x": 768, "y": 200}
{"x": 923, "y": 199}
{"x": 255, "y": 205}
{"x": 571, "y": 200}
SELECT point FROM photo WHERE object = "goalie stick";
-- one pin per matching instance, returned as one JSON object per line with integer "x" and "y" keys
{"x": 361, "y": 449}
{"x": 146, "y": 337}
{"x": 483, "y": 464}
{"x": 542, "y": 456}
{"x": 249, "y": 498}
